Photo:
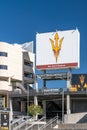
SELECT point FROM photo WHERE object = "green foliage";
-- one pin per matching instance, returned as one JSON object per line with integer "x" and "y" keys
{"x": 34, "y": 110}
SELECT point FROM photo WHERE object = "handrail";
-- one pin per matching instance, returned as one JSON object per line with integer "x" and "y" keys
{"x": 51, "y": 121}
{"x": 35, "y": 123}
{"x": 19, "y": 126}
{"x": 48, "y": 123}
{"x": 22, "y": 124}
{"x": 16, "y": 121}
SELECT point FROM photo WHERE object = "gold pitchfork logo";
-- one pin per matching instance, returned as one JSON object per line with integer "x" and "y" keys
{"x": 56, "y": 45}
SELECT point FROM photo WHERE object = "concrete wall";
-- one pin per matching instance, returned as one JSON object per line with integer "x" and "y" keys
{"x": 79, "y": 105}
{"x": 74, "y": 118}
{"x": 13, "y": 61}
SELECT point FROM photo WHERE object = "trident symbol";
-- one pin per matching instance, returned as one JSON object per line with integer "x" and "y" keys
{"x": 55, "y": 46}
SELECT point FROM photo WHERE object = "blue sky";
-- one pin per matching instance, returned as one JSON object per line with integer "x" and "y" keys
{"x": 21, "y": 19}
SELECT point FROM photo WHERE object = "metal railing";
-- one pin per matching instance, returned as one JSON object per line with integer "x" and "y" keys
{"x": 36, "y": 123}
{"x": 15, "y": 122}
{"x": 49, "y": 123}
{"x": 16, "y": 125}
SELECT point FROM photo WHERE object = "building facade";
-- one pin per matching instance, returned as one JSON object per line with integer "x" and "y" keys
{"x": 16, "y": 72}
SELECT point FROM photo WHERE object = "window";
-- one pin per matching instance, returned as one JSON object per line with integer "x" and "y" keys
{"x": 3, "y": 67}
{"x": 29, "y": 75}
{"x": 28, "y": 63}
{"x": 31, "y": 64}
{"x": 3, "y": 54}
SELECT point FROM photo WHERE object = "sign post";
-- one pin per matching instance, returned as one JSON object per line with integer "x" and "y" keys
{"x": 4, "y": 120}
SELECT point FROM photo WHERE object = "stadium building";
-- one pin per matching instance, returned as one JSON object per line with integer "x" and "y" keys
{"x": 18, "y": 81}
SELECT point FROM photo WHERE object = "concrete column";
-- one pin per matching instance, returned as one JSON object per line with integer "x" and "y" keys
{"x": 11, "y": 110}
{"x": 9, "y": 81}
{"x": 44, "y": 81}
{"x": 68, "y": 104}
{"x": 44, "y": 107}
{"x": 63, "y": 106}
{"x": 68, "y": 84}
{"x": 44, "y": 84}
{"x": 7, "y": 101}
{"x": 35, "y": 97}
{"x": 36, "y": 86}
{"x": 35, "y": 100}
{"x": 23, "y": 106}
{"x": 69, "y": 77}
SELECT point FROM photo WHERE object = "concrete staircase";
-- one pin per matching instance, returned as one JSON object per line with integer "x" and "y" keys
{"x": 54, "y": 124}
{"x": 72, "y": 127}
{"x": 29, "y": 124}
{"x": 61, "y": 127}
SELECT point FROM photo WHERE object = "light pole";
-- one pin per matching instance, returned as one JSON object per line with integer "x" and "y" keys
{"x": 62, "y": 106}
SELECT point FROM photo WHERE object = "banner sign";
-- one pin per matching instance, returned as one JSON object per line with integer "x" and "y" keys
{"x": 58, "y": 50}
{"x": 79, "y": 82}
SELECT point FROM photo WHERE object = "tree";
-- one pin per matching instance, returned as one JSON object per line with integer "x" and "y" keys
{"x": 34, "y": 110}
